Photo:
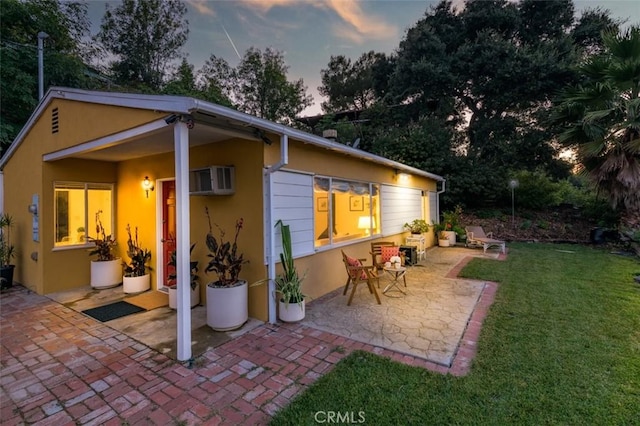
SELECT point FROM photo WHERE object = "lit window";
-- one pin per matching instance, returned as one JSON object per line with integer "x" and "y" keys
{"x": 76, "y": 206}
{"x": 345, "y": 210}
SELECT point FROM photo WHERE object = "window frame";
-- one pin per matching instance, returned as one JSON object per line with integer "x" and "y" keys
{"x": 331, "y": 244}
{"x": 86, "y": 187}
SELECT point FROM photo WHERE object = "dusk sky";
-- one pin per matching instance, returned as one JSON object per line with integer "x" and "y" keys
{"x": 310, "y": 31}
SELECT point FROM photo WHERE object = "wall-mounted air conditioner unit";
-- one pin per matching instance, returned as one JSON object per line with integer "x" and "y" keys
{"x": 212, "y": 180}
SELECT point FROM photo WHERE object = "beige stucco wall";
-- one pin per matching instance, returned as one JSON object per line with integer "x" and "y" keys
{"x": 24, "y": 177}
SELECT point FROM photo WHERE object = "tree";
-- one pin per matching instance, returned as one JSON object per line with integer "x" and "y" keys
{"x": 144, "y": 36}
{"x": 66, "y": 24}
{"x": 489, "y": 72}
{"x": 217, "y": 81}
{"x": 182, "y": 82}
{"x": 262, "y": 88}
{"x": 350, "y": 86}
{"x": 602, "y": 120}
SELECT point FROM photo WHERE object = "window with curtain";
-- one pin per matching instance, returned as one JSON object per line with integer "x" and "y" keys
{"x": 345, "y": 210}
{"x": 75, "y": 209}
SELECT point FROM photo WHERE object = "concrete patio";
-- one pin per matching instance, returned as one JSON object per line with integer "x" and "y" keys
{"x": 427, "y": 322}
{"x": 60, "y": 366}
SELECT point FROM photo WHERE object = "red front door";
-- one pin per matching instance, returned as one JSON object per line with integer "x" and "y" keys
{"x": 168, "y": 225}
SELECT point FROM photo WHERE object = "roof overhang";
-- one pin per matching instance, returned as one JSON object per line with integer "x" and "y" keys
{"x": 212, "y": 123}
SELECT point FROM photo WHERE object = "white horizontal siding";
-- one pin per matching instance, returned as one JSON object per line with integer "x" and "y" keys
{"x": 293, "y": 204}
{"x": 399, "y": 206}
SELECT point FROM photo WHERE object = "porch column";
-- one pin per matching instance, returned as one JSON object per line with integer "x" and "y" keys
{"x": 181, "y": 148}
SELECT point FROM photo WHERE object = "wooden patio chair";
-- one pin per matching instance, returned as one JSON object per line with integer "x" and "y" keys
{"x": 477, "y": 237}
{"x": 358, "y": 273}
{"x": 376, "y": 253}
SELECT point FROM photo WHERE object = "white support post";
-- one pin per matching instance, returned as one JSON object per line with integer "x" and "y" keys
{"x": 271, "y": 264}
{"x": 183, "y": 272}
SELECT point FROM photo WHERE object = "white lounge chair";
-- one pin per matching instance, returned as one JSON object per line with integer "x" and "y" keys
{"x": 476, "y": 236}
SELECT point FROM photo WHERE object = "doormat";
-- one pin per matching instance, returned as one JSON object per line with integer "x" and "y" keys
{"x": 112, "y": 311}
{"x": 149, "y": 300}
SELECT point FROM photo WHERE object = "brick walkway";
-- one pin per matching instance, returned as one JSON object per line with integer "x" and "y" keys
{"x": 60, "y": 367}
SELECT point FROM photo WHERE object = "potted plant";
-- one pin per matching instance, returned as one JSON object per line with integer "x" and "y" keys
{"x": 417, "y": 226}
{"x": 443, "y": 239}
{"x": 227, "y": 297}
{"x": 172, "y": 282}
{"x": 106, "y": 270}
{"x": 291, "y": 300}
{"x": 450, "y": 221}
{"x": 7, "y": 251}
{"x": 136, "y": 276}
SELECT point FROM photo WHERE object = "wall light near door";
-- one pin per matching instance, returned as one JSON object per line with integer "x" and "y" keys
{"x": 147, "y": 185}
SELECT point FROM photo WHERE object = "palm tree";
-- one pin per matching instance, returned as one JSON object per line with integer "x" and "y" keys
{"x": 601, "y": 119}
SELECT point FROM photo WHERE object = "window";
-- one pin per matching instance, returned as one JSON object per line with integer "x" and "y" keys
{"x": 345, "y": 210}
{"x": 76, "y": 206}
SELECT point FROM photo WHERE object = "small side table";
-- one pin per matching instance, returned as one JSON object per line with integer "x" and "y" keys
{"x": 396, "y": 274}
{"x": 420, "y": 242}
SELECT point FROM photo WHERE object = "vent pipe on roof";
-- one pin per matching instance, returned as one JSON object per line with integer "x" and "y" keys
{"x": 41, "y": 36}
{"x": 331, "y": 134}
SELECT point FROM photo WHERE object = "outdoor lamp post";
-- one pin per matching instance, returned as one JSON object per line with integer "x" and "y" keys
{"x": 513, "y": 184}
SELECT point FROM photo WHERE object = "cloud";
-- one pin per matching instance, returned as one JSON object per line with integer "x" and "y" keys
{"x": 362, "y": 26}
{"x": 355, "y": 25}
{"x": 202, "y": 6}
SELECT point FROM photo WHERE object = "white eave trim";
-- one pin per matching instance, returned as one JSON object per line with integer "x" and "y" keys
{"x": 186, "y": 105}
{"x": 280, "y": 129}
{"x": 107, "y": 141}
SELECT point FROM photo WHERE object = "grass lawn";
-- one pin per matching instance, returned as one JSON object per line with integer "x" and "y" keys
{"x": 560, "y": 345}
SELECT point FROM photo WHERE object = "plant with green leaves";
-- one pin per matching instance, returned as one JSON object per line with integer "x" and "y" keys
{"x": 139, "y": 256}
{"x": 7, "y": 250}
{"x": 601, "y": 119}
{"x": 417, "y": 226}
{"x": 225, "y": 261}
{"x": 289, "y": 282}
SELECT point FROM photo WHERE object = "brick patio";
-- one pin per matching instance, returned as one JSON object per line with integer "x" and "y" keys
{"x": 60, "y": 367}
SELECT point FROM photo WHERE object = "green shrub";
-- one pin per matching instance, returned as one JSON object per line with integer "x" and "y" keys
{"x": 535, "y": 190}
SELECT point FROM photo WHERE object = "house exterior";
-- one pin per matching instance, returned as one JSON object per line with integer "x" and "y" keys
{"x": 84, "y": 152}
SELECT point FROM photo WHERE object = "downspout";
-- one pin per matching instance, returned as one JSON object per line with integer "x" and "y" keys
{"x": 438, "y": 199}
{"x": 271, "y": 247}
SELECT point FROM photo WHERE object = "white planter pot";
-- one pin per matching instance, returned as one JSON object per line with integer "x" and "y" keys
{"x": 452, "y": 237}
{"x": 173, "y": 296}
{"x": 291, "y": 312}
{"x": 227, "y": 307}
{"x": 136, "y": 284}
{"x": 106, "y": 274}
{"x": 443, "y": 243}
